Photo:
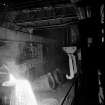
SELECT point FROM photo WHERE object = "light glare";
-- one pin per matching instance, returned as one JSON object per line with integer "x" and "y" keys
{"x": 23, "y": 93}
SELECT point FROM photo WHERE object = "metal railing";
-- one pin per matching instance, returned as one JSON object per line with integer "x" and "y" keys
{"x": 67, "y": 99}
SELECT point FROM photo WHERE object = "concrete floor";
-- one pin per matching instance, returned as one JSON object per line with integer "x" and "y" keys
{"x": 57, "y": 94}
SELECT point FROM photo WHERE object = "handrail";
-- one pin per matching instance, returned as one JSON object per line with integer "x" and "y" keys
{"x": 63, "y": 102}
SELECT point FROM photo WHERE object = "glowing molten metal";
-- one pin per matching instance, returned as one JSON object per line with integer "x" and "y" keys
{"x": 23, "y": 93}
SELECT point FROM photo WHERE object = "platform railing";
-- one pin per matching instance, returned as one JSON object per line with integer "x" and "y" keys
{"x": 68, "y": 99}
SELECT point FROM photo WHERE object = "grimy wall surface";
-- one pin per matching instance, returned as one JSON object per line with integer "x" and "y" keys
{"x": 22, "y": 49}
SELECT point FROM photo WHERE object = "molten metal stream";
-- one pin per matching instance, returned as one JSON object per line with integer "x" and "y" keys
{"x": 23, "y": 93}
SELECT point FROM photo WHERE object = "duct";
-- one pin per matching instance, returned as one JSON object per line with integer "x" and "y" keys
{"x": 46, "y": 16}
{"x": 39, "y": 17}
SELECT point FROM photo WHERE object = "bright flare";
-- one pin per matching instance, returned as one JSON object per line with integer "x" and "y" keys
{"x": 23, "y": 93}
